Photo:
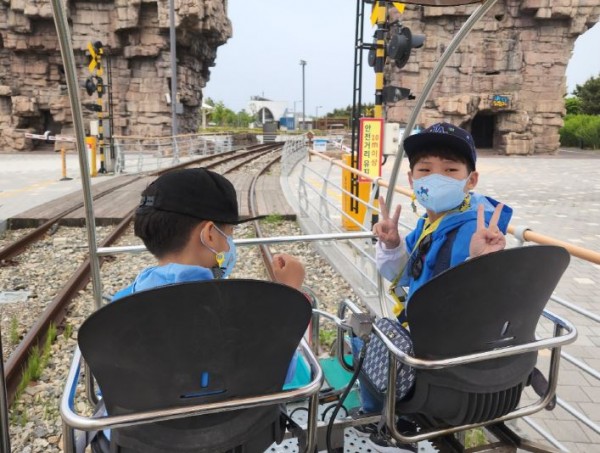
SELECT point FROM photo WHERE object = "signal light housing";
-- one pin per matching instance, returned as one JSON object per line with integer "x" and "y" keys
{"x": 391, "y": 94}
{"x": 90, "y": 86}
{"x": 93, "y": 107}
{"x": 401, "y": 44}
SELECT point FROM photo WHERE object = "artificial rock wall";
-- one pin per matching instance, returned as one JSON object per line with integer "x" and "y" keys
{"x": 506, "y": 82}
{"x": 135, "y": 33}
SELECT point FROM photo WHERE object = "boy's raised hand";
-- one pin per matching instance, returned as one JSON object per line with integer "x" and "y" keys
{"x": 386, "y": 229}
{"x": 288, "y": 270}
{"x": 490, "y": 239}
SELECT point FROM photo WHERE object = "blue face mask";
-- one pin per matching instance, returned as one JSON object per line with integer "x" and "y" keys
{"x": 225, "y": 260}
{"x": 439, "y": 193}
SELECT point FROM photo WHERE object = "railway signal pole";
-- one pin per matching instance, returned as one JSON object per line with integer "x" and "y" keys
{"x": 96, "y": 50}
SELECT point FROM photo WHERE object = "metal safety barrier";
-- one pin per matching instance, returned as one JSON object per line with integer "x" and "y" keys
{"x": 141, "y": 153}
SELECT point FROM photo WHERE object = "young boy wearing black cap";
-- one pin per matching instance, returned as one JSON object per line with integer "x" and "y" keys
{"x": 186, "y": 220}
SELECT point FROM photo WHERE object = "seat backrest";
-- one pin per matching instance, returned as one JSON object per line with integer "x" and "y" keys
{"x": 489, "y": 302}
{"x": 484, "y": 303}
{"x": 194, "y": 343}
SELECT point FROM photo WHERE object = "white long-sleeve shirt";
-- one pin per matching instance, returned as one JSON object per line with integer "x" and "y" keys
{"x": 390, "y": 262}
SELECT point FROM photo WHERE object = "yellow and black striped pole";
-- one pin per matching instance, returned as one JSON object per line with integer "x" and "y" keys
{"x": 379, "y": 17}
{"x": 100, "y": 91}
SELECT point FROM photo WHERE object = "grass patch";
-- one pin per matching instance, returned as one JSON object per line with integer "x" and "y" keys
{"x": 37, "y": 361}
{"x": 273, "y": 219}
{"x": 327, "y": 337}
{"x": 475, "y": 438}
{"x": 68, "y": 333}
{"x": 14, "y": 336}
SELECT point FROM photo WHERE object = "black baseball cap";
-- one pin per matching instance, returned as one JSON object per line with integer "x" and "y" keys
{"x": 195, "y": 192}
{"x": 442, "y": 135}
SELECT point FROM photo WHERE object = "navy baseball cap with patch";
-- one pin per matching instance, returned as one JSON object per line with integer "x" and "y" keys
{"x": 442, "y": 135}
{"x": 195, "y": 192}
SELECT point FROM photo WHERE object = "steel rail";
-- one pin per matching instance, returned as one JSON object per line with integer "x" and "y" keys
{"x": 17, "y": 247}
{"x": 53, "y": 314}
{"x": 270, "y": 148}
{"x": 266, "y": 254}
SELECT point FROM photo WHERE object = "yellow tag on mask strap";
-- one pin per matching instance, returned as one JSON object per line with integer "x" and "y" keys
{"x": 220, "y": 257}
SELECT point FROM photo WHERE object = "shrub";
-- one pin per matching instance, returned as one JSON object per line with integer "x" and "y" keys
{"x": 582, "y": 131}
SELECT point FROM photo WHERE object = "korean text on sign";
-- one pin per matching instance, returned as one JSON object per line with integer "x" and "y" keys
{"x": 370, "y": 147}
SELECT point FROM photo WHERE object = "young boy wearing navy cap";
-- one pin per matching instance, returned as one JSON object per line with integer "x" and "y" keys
{"x": 442, "y": 175}
{"x": 186, "y": 220}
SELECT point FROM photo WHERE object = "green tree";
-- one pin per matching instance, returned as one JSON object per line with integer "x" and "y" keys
{"x": 573, "y": 105}
{"x": 222, "y": 116}
{"x": 366, "y": 110}
{"x": 589, "y": 93}
{"x": 243, "y": 118}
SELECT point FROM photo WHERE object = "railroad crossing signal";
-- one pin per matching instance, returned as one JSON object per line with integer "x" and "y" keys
{"x": 95, "y": 84}
{"x": 378, "y": 13}
{"x": 95, "y": 50}
{"x": 93, "y": 57}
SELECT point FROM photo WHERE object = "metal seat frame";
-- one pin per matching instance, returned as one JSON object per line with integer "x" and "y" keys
{"x": 200, "y": 311}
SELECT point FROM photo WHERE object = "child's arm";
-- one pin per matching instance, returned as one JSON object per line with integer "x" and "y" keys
{"x": 390, "y": 253}
{"x": 288, "y": 270}
{"x": 487, "y": 239}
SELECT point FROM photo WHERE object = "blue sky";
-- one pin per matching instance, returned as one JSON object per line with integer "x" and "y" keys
{"x": 263, "y": 56}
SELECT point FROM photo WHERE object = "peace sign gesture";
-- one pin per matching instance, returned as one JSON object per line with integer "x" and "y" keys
{"x": 386, "y": 229}
{"x": 490, "y": 239}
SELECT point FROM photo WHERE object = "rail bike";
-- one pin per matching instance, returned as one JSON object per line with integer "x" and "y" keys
{"x": 475, "y": 349}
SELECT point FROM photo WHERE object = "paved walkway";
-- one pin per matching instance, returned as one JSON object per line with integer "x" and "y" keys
{"x": 558, "y": 196}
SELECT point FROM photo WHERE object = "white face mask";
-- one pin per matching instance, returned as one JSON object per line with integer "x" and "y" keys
{"x": 439, "y": 193}
{"x": 225, "y": 260}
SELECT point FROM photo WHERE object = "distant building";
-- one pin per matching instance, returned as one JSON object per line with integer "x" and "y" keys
{"x": 264, "y": 110}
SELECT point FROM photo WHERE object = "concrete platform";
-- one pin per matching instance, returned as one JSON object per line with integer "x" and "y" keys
{"x": 32, "y": 192}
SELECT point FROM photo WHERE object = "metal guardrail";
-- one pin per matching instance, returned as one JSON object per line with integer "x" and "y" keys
{"x": 138, "y": 153}
{"x": 320, "y": 199}
{"x": 294, "y": 150}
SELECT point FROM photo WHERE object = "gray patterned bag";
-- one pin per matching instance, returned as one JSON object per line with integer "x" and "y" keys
{"x": 376, "y": 364}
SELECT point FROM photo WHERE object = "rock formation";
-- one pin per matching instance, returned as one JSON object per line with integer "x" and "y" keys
{"x": 506, "y": 82}
{"x": 135, "y": 36}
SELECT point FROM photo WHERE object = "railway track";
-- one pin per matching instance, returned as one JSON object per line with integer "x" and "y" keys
{"x": 54, "y": 312}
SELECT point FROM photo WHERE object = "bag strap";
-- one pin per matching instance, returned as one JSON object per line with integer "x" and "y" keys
{"x": 444, "y": 256}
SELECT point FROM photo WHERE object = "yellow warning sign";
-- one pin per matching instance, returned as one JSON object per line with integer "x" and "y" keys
{"x": 354, "y": 211}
